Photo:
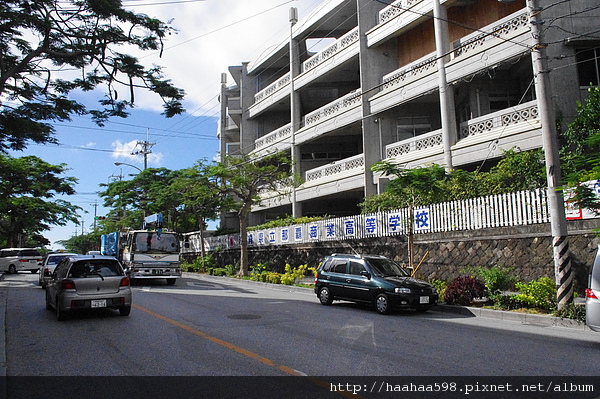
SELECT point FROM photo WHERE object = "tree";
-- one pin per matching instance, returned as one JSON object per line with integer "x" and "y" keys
{"x": 244, "y": 179}
{"x": 82, "y": 244}
{"x": 200, "y": 196}
{"x": 28, "y": 206}
{"x": 44, "y": 41}
{"x": 147, "y": 193}
{"x": 413, "y": 188}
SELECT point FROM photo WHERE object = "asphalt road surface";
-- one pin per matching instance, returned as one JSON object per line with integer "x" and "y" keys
{"x": 214, "y": 326}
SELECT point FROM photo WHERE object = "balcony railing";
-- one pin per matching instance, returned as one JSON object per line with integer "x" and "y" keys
{"x": 336, "y": 168}
{"x": 413, "y": 71}
{"x": 282, "y": 82}
{"x": 510, "y": 116}
{"x": 334, "y": 108}
{"x": 396, "y": 8}
{"x": 273, "y": 137}
{"x": 421, "y": 142}
{"x": 340, "y": 44}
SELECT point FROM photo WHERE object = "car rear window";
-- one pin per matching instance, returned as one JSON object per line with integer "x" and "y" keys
{"x": 29, "y": 252}
{"x": 95, "y": 268}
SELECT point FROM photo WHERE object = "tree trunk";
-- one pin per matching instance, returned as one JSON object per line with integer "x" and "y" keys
{"x": 244, "y": 267}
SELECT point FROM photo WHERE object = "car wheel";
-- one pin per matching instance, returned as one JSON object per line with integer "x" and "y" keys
{"x": 171, "y": 281}
{"x": 382, "y": 304}
{"x": 61, "y": 315}
{"x": 33, "y": 271}
{"x": 325, "y": 296}
{"x": 12, "y": 269}
{"x": 125, "y": 310}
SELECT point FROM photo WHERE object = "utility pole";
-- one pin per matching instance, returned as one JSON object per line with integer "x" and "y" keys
{"x": 558, "y": 221}
{"x": 95, "y": 213}
{"x": 146, "y": 149}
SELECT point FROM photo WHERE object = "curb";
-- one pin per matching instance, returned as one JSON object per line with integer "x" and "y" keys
{"x": 469, "y": 311}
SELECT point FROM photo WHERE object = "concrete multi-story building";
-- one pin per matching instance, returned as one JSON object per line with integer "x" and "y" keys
{"x": 450, "y": 82}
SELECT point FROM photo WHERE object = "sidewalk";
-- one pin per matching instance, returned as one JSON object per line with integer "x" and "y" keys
{"x": 525, "y": 318}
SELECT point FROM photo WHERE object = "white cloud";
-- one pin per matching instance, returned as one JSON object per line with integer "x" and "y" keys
{"x": 214, "y": 35}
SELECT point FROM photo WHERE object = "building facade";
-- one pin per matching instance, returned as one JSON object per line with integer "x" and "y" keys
{"x": 414, "y": 82}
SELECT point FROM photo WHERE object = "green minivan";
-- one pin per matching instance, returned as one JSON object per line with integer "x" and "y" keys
{"x": 372, "y": 279}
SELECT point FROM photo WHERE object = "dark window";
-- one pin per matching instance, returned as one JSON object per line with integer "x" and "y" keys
{"x": 92, "y": 268}
{"x": 339, "y": 266}
{"x": 588, "y": 67}
{"x": 356, "y": 267}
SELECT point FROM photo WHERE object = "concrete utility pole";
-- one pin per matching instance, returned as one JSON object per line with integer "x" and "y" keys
{"x": 293, "y": 18}
{"x": 558, "y": 221}
{"x": 146, "y": 149}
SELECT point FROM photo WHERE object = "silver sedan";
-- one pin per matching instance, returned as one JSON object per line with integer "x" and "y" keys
{"x": 88, "y": 282}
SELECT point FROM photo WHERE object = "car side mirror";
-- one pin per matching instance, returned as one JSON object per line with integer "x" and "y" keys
{"x": 365, "y": 274}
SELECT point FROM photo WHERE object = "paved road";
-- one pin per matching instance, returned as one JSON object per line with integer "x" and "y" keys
{"x": 208, "y": 326}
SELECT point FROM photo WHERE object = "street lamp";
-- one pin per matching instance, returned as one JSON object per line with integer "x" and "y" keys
{"x": 127, "y": 164}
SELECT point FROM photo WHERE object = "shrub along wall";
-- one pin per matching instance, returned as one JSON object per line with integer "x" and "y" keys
{"x": 526, "y": 249}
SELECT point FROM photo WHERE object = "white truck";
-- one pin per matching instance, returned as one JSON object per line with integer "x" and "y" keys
{"x": 146, "y": 254}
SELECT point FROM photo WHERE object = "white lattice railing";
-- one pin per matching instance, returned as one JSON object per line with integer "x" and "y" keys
{"x": 334, "y": 108}
{"x": 396, "y": 8}
{"x": 273, "y": 137}
{"x": 421, "y": 142}
{"x": 336, "y": 168}
{"x": 343, "y": 42}
{"x": 282, "y": 82}
{"x": 510, "y": 116}
{"x": 413, "y": 71}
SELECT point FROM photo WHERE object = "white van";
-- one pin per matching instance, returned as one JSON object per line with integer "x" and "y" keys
{"x": 592, "y": 296}
{"x": 13, "y": 260}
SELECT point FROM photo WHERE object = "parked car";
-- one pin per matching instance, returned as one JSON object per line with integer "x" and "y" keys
{"x": 88, "y": 282}
{"x": 372, "y": 279}
{"x": 49, "y": 264}
{"x": 592, "y": 295}
{"x": 13, "y": 260}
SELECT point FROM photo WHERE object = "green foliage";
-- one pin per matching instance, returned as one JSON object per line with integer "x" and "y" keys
{"x": 496, "y": 279}
{"x": 572, "y": 311}
{"x": 261, "y": 272}
{"x": 540, "y": 293}
{"x": 440, "y": 286}
{"x": 516, "y": 171}
{"x": 463, "y": 290}
{"x": 47, "y": 40}
{"x": 82, "y": 244}
{"x": 28, "y": 187}
{"x": 200, "y": 264}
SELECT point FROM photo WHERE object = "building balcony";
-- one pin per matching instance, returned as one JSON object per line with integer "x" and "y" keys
{"x": 338, "y": 113}
{"x": 277, "y": 140}
{"x": 508, "y": 38}
{"x": 345, "y": 48}
{"x": 479, "y": 139}
{"x": 396, "y": 17}
{"x": 335, "y": 171}
{"x": 406, "y": 83}
{"x": 270, "y": 95}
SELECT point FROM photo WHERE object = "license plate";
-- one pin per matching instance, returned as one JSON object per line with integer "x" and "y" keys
{"x": 157, "y": 271}
{"x": 33, "y": 260}
{"x": 424, "y": 299}
{"x": 99, "y": 303}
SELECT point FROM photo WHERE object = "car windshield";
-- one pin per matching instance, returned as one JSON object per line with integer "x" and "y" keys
{"x": 153, "y": 242}
{"x": 384, "y": 267}
{"x": 94, "y": 268}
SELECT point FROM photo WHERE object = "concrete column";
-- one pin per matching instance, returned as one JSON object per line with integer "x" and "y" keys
{"x": 295, "y": 109}
{"x": 374, "y": 63}
{"x": 447, "y": 107}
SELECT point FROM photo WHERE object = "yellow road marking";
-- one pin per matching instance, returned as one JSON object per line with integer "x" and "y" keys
{"x": 252, "y": 355}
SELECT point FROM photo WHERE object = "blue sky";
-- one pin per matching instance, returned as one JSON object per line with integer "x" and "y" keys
{"x": 212, "y": 35}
